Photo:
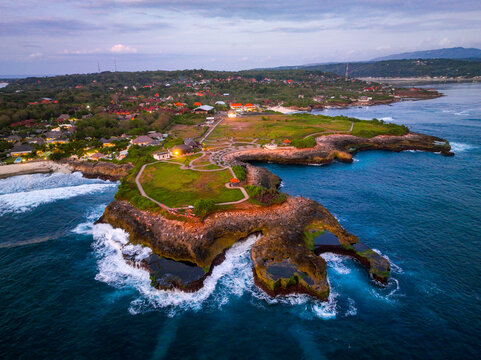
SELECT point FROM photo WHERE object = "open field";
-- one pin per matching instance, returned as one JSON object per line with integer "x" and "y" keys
{"x": 279, "y": 127}
{"x": 174, "y": 187}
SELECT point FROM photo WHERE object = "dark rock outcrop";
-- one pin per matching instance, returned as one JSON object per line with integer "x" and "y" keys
{"x": 202, "y": 243}
{"x": 342, "y": 147}
{"x": 99, "y": 169}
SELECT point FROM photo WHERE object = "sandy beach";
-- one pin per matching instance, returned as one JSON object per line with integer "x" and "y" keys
{"x": 34, "y": 167}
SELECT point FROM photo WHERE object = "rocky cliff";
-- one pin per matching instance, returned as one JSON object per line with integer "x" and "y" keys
{"x": 342, "y": 147}
{"x": 99, "y": 169}
{"x": 282, "y": 261}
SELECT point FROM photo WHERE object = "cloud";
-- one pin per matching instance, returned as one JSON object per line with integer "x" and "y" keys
{"x": 122, "y": 49}
{"x": 445, "y": 42}
{"x": 35, "y": 55}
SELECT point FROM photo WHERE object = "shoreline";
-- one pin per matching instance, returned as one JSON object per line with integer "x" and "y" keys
{"x": 34, "y": 167}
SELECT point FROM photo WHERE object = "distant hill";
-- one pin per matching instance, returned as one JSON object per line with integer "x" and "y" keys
{"x": 400, "y": 68}
{"x": 448, "y": 53}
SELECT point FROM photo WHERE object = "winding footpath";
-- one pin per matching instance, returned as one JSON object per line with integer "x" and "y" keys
{"x": 189, "y": 167}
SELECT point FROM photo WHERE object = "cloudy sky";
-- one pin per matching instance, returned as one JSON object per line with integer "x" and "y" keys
{"x": 70, "y": 36}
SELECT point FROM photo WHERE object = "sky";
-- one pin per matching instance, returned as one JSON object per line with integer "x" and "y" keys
{"x": 70, "y": 36}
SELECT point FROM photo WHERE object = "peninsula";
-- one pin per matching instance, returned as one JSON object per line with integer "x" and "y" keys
{"x": 184, "y": 146}
{"x": 189, "y": 207}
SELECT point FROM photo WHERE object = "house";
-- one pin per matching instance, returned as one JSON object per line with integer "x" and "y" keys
{"x": 144, "y": 140}
{"x": 36, "y": 140}
{"x": 53, "y": 135}
{"x": 19, "y": 150}
{"x": 63, "y": 117}
{"x": 197, "y": 104}
{"x": 156, "y": 135}
{"x": 191, "y": 142}
{"x": 59, "y": 140}
{"x": 219, "y": 103}
{"x": 270, "y": 146}
{"x": 236, "y": 106}
{"x": 249, "y": 107}
{"x": 203, "y": 109}
{"x": 179, "y": 104}
{"x": 97, "y": 156}
{"x": 287, "y": 141}
{"x": 109, "y": 142}
{"x": 161, "y": 155}
{"x": 13, "y": 138}
{"x": 122, "y": 154}
{"x": 181, "y": 150}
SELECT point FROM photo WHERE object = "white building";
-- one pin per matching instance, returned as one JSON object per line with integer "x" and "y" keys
{"x": 162, "y": 155}
{"x": 270, "y": 146}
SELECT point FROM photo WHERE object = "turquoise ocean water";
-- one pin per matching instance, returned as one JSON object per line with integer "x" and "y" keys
{"x": 67, "y": 294}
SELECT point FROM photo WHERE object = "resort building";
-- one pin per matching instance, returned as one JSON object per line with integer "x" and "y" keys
{"x": 181, "y": 150}
{"x": 19, "y": 150}
{"x": 144, "y": 140}
{"x": 203, "y": 109}
{"x": 13, "y": 138}
{"x": 161, "y": 155}
{"x": 270, "y": 146}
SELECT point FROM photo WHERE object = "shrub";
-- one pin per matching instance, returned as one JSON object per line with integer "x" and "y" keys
{"x": 203, "y": 207}
{"x": 309, "y": 142}
{"x": 263, "y": 196}
{"x": 240, "y": 172}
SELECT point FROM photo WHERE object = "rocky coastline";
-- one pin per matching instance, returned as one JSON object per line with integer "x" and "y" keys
{"x": 342, "y": 147}
{"x": 89, "y": 169}
{"x": 291, "y": 235}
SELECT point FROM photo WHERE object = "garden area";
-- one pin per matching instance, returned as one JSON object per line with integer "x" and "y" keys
{"x": 176, "y": 187}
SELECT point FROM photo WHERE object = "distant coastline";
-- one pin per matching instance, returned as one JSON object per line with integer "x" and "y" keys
{"x": 418, "y": 80}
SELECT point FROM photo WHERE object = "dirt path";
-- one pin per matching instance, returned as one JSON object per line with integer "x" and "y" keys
{"x": 331, "y": 132}
{"x": 183, "y": 167}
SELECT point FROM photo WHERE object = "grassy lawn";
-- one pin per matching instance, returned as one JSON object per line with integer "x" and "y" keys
{"x": 277, "y": 127}
{"x": 174, "y": 187}
{"x": 369, "y": 129}
{"x": 186, "y": 131}
{"x": 297, "y": 126}
{"x": 185, "y": 159}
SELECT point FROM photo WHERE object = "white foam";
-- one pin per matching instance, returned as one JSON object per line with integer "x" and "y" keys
{"x": 85, "y": 228}
{"x": 461, "y": 147}
{"x": 394, "y": 268}
{"x": 352, "y": 310}
{"x": 232, "y": 277}
{"x": 387, "y": 118}
{"x": 19, "y": 202}
{"x": 336, "y": 262}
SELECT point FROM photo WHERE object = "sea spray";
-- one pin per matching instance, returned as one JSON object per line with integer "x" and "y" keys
{"x": 232, "y": 277}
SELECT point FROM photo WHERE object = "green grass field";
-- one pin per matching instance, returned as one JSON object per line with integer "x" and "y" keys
{"x": 280, "y": 127}
{"x": 174, "y": 187}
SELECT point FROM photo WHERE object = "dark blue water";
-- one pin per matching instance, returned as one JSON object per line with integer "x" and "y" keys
{"x": 66, "y": 293}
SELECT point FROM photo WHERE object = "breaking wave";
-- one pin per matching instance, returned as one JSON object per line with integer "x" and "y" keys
{"x": 19, "y": 202}
{"x": 461, "y": 147}
{"x": 85, "y": 228}
{"x": 232, "y": 278}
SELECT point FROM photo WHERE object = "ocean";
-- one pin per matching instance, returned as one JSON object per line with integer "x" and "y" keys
{"x": 66, "y": 292}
